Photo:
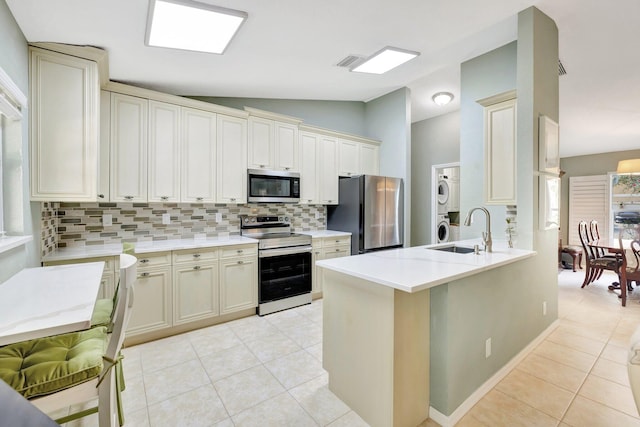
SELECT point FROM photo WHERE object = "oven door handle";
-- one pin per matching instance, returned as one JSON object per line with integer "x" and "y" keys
{"x": 267, "y": 253}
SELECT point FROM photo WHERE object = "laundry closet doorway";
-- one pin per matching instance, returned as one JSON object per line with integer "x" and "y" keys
{"x": 445, "y": 202}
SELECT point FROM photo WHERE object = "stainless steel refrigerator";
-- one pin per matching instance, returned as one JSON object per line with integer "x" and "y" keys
{"x": 372, "y": 209}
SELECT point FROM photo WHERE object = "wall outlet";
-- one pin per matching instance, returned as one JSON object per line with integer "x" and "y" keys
{"x": 318, "y": 215}
{"x": 487, "y": 348}
{"x": 218, "y": 217}
{"x": 107, "y": 220}
{"x": 544, "y": 308}
{"x": 166, "y": 219}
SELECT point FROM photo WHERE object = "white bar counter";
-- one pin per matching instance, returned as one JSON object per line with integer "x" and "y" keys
{"x": 376, "y": 332}
{"x": 44, "y": 301}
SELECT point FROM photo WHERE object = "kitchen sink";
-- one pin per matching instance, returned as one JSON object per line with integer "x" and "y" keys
{"x": 454, "y": 249}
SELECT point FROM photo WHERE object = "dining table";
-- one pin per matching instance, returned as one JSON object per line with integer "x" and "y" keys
{"x": 616, "y": 246}
{"x": 45, "y": 301}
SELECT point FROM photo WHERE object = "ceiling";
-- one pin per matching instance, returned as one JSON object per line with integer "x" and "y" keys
{"x": 288, "y": 49}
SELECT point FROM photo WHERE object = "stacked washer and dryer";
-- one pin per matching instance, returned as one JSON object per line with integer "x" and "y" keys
{"x": 443, "y": 229}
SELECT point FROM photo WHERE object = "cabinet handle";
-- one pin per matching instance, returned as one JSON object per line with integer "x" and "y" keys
{"x": 164, "y": 198}
{"x": 101, "y": 196}
{"x": 240, "y": 262}
{"x": 233, "y": 200}
{"x": 197, "y": 267}
{"x": 196, "y": 255}
{"x": 337, "y": 241}
{"x": 145, "y": 274}
{"x": 330, "y": 201}
{"x": 144, "y": 261}
{"x": 318, "y": 253}
{"x": 128, "y": 197}
{"x": 262, "y": 166}
{"x": 287, "y": 169}
{"x": 199, "y": 199}
{"x": 239, "y": 251}
{"x": 349, "y": 173}
{"x": 337, "y": 250}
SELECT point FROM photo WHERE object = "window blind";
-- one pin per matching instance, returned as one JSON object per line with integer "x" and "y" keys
{"x": 589, "y": 198}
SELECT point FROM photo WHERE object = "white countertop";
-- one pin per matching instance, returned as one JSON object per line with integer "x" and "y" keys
{"x": 325, "y": 233}
{"x": 145, "y": 247}
{"x": 44, "y": 301}
{"x": 418, "y": 268}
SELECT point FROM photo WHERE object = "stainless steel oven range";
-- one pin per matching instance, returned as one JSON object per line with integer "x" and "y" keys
{"x": 284, "y": 262}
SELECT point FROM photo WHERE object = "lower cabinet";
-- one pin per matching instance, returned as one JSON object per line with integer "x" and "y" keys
{"x": 327, "y": 248}
{"x": 110, "y": 273}
{"x": 238, "y": 284}
{"x": 152, "y": 300}
{"x": 195, "y": 285}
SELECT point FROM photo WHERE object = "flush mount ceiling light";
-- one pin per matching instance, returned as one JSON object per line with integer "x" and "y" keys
{"x": 190, "y": 25}
{"x": 442, "y": 98}
{"x": 385, "y": 60}
{"x": 631, "y": 166}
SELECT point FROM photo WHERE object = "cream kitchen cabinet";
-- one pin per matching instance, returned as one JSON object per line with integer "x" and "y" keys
{"x": 152, "y": 308}
{"x": 64, "y": 119}
{"x": 327, "y": 248}
{"x": 328, "y": 170}
{"x": 231, "y": 178}
{"x": 164, "y": 152}
{"x": 238, "y": 279}
{"x": 500, "y": 149}
{"x": 309, "y": 177}
{"x": 273, "y": 141}
{"x": 129, "y": 122}
{"x": 348, "y": 157}
{"x": 110, "y": 272}
{"x": 369, "y": 159}
{"x": 195, "y": 285}
{"x": 198, "y": 156}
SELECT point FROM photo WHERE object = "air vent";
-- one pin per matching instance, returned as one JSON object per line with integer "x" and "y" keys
{"x": 349, "y": 61}
{"x": 561, "y": 70}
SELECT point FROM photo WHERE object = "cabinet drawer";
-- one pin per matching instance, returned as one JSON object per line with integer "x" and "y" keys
{"x": 336, "y": 241}
{"x": 191, "y": 255}
{"x": 239, "y": 250}
{"x": 316, "y": 243}
{"x": 153, "y": 259}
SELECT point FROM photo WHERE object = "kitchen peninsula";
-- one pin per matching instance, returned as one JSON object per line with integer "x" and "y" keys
{"x": 377, "y": 324}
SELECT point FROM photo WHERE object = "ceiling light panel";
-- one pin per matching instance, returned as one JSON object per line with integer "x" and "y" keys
{"x": 385, "y": 60}
{"x": 190, "y": 25}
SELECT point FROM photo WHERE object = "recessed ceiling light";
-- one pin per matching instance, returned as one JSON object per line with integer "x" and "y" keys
{"x": 190, "y": 25}
{"x": 442, "y": 98}
{"x": 385, "y": 60}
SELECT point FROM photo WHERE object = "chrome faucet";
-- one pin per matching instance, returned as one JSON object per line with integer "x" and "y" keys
{"x": 486, "y": 236}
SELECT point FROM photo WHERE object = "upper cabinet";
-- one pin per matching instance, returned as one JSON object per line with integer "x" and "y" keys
{"x": 309, "y": 179}
{"x": 198, "y": 156}
{"x": 232, "y": 160}
{"x": 348, "y": 157}
{"x": 369, "y": 159}
{"x": 328, "y": 171}
{"x": 164, "y": 152}
{"x": 64, "y": 118}
{"x": 500, "y": 149}
{"x": 272, "y": 141}
{"x": 358, "y": 156}
{"x": 129, "y": 122}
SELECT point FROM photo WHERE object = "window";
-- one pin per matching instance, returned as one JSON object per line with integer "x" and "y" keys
{"x": 12, "y": 101}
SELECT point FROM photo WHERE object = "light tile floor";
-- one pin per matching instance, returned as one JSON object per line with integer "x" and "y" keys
{"x": 267, "y": 371}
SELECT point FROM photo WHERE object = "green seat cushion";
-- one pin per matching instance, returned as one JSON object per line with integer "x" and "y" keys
{"x": 102, "y": 312}
{"x": 46, "y": 365}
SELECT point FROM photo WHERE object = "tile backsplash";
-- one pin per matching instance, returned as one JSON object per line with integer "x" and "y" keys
{"x": 80, "y": 224}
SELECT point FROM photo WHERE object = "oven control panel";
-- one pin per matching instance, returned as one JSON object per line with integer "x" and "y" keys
{"x": 248, "y": 221}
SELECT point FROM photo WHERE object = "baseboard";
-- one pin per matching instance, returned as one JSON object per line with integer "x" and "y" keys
{"x": 460, "y": 411}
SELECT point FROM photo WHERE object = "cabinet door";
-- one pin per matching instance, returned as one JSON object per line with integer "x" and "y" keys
{"x": 64, "y": 110}
{"x": 348, "y": 157}
{"x": 128, "y": 148}
{"x": 316, "y": 255}
{"x": 195, "y": 292}
{"x": 238, "y": 284}
{"x": 152, "y": 302}
{"x": 286, "y": 146}
{"x": 261, "y": 143}
{"x": 309, "y": 146}
{"x": 232, "y": 160}
{"x": 500, "y": 153}
{"x": 164, "y": 152}
{"x": 105, "y": 141}
{"x": 328, "y": 171}
{"x": 198, "y": 156}
{"x": 369, "y": 159}
{"x": 107, "y": 286}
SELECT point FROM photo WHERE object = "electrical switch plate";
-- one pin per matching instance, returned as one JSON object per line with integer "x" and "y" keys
{"x": 218, "y": 217}
{"x": 487, "y": 348}
{"x": 544, "y": 308}
{"x": 317, "y": 215}
{"x": 166, "y": 219}
{"x": 107, "y": 220}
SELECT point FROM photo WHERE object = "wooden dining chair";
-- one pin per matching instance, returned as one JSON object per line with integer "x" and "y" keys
{"x": 594, "y": 265}
{"x": 633, "y": 269}
{"x": 63, "y": 370}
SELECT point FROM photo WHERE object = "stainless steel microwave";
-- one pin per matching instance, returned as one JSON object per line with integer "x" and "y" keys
{"x": 273, "y": 186}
